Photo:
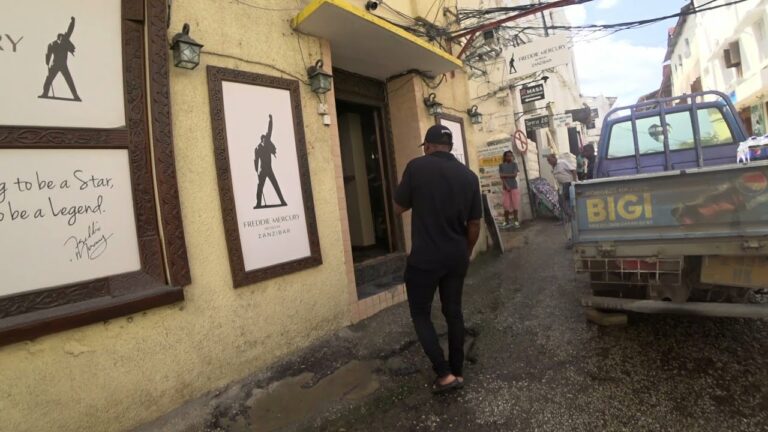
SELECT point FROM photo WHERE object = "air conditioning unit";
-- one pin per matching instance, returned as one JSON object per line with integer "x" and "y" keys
{"x": 732, "y": 55}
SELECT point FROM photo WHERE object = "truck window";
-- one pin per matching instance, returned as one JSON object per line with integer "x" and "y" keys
{"x": 680, "y": 131}
{"x": 621, "y": 144}
{"x": 713, "y": 127}
{"x": 712, "y": 124}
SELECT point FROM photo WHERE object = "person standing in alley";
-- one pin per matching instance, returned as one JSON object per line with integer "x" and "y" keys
{"x": 508, "y": 172}
{"x": 565, "y": 174}
{"x": 444, "y": 198}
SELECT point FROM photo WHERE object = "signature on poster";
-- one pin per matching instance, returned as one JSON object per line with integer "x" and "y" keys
{"x": 90, "y": 246}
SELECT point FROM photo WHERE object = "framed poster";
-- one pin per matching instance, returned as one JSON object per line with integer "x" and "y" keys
{"x": 456, "y": 125}
{"x": 79, "y": 189}
{"x": 62, "y": 63}
{"x": 264, "y": 181}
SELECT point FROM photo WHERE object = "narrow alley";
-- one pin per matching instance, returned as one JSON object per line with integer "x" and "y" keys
{"x": 536, "y": 364}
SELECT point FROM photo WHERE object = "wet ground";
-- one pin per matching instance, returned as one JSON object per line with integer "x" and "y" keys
{"x": 535, "y": 364}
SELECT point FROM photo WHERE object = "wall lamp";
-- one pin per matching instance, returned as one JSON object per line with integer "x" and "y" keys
{"x": 186, "y": 51}
{"x": 433, "y": 106}
{"x": 319, "y": 79}
{"x": 475, "y": 116}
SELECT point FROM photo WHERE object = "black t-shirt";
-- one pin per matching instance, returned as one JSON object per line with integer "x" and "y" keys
{"x": 443, "y": 195}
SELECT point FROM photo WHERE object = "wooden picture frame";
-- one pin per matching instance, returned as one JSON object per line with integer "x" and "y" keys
{"x": 237, "y": 177}
{"x": 446, "y": 119}
{"x": 43, "y": 311}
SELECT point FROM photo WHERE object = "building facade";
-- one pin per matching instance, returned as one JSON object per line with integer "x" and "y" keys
{"x": 214, "y": 220}
{"x": 726, "y": 50}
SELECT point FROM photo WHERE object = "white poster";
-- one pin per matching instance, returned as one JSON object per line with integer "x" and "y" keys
{"x": 65, "y": 216}
{"x": 61, "y": 63}
{"x": 541, "y": 54}
{"x": 261, "y": 146}
{"x": 458, "y": 138}
{"x": 490, "y": 157}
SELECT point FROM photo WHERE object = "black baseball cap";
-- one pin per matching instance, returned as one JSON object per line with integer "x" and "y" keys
{"x": 438, "y": 134}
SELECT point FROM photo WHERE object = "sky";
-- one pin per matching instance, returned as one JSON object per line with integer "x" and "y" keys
{"x": 626, "y": 64}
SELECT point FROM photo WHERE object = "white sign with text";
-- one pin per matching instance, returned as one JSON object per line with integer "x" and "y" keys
{"x": 66, "y": 216}
{"x": 61, "y": 63}
{"x": 541, "y": 54}
{"x": 266, "y": 181}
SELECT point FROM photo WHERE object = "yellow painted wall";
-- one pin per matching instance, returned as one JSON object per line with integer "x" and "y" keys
{"x": 121, "y": 373}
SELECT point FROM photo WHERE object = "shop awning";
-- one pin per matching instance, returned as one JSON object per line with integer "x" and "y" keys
{"x": 365, "y": 44}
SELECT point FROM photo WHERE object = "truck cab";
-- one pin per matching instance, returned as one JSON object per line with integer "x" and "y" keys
{"x": 690, "y": 131}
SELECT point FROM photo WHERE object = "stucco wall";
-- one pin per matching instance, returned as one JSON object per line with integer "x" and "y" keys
{"x": 117, "y": 374}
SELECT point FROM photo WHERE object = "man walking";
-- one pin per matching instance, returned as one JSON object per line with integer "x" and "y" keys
{"x": 444, "y": 196}
{"x": 59, "y": 50}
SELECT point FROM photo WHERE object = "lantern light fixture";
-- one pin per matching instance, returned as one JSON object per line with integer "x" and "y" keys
{"x": 475, "y": 116}
{"x": 186, "y": 51}
{"x": 319, "y": 79}
{"x": 433, "y": 106}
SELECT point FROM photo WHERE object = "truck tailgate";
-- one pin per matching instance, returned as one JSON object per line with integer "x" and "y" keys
{"x": 706, "y": 203}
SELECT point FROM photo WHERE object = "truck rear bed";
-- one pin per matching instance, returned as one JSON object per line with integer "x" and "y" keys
{"x": 703, "y": 211}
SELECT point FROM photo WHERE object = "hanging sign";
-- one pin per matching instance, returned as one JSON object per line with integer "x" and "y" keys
{"x": 541, "y": 54}
{"x": 534, "y": 123}
{"x": 532, "y": 93}
{"x": 562, "y": 120}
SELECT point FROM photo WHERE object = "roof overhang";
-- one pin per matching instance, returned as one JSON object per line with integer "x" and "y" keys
{"x": 368, "y": 45}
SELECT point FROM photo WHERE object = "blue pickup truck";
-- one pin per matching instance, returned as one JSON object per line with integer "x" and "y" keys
{"x": 672, "y": 223}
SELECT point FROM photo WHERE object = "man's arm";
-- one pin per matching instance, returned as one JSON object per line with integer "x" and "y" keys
{"x": 48, "y": 55}
{"x": 70, "y": 29}
{"x": 269, "y": 128}
{"x": 474, "y": 217}
{"x": 473, "y": 233}
{"x": 403, "y": 197}
{"x": 574, "y": 175}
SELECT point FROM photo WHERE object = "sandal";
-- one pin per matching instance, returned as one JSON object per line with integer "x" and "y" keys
{"x": 438, "y": 388}
{"x": 460, "y": 379}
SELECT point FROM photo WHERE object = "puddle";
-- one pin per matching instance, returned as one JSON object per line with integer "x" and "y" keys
{"x": 287, "y": 403}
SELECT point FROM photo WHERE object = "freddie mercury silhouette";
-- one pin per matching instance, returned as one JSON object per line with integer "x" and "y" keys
{"x": 59, "y": 50}
{"x": 263, "y": 155}
{"x": 512, "y": 68}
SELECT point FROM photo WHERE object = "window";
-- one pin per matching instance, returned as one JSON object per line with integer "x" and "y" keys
{"x": 649, "y": 136}
{"x": 680, "y": 131}
{"x": 620, "y": 142}
{"x": 713, "y": 128}
{"x": 687, "y": 48}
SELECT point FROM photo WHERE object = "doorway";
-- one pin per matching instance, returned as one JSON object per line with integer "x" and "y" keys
{"x": 370, "y": 178}
{"x": 365, "y": 168}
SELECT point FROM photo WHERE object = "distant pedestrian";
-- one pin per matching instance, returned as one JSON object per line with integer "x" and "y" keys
{"x": 565, "y": 175}
{"x": 508, "y": 172}
{"x": 444, "y": 196}
{"x": 581, "y": 165}
{"x": 589, "y": 154}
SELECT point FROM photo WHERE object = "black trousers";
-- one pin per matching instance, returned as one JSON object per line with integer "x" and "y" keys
{"x": 421, "y": 286}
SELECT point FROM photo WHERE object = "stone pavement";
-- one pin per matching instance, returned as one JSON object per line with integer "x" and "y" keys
{"x": 535, "y": 364}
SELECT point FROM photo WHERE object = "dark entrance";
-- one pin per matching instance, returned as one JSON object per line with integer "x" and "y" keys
{"x": 365, "y": 177}
{"x": 367, "y": 161}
